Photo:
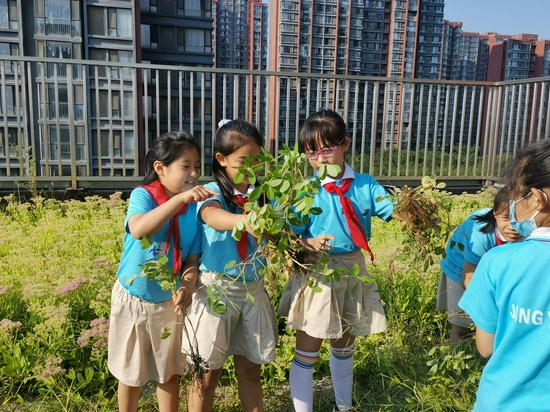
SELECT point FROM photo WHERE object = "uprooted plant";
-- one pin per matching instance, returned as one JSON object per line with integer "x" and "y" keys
{"x": 425, "y": 213}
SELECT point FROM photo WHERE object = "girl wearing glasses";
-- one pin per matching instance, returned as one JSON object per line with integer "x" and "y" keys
{"x": 509, "y": 297}
{"x": 347, "y": 307}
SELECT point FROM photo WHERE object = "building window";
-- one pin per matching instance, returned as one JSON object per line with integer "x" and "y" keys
{"x": 110, "y": 22}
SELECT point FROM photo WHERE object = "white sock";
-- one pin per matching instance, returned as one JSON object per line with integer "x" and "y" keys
{"x": 341, "y": 369}
{"x": 301, "y": 380}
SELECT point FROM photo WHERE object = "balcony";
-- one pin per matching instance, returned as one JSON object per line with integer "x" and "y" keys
{"x": 460, "y": 132}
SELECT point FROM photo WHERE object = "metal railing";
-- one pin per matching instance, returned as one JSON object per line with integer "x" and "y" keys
{"x": 70, "y": 121}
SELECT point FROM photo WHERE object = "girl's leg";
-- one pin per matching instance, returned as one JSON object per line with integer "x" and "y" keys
{"x": 341, "y": 369}
{"x": 250, "y": 385}
{"x": 459, "y": 333}
{"x": 128, "y": 397}
{"x": 201, "y": 396}
{"x": 301, "y": 371}
{"x": 168, "y": 394}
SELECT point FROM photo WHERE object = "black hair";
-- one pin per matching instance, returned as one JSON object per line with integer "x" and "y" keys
{"x": 166, "y": 149}
{"x": 326, "y": 127}
{"x": 500, "y": 205}
{"x": 529, "y": 169}
{"x": 229, "y": 138}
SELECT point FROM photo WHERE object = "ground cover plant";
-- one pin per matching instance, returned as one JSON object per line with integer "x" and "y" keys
{"x": 58, "y": 262}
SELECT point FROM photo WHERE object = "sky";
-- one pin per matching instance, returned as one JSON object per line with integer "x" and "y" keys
{"x": 501, "y": 16}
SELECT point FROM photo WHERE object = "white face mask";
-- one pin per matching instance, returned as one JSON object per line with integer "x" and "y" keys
{"x": 527, "y": 226}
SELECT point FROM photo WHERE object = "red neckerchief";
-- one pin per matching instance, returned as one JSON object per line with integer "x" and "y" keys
{"x": 355, "y": 227}
{"x": 242, "y": 244}
{"x": 157, "y": 192}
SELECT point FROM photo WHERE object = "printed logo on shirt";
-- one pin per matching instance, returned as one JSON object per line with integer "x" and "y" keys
{"x": 527, "y": 316}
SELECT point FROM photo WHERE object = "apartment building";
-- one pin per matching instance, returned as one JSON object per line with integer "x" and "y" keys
{"x": 105, "y": 115}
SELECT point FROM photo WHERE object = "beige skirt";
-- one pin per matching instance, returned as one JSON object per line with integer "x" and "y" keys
{"x": 349, "y": 305}
{"x": 449, "y": 293}
{"x": 136, "y": 352}
{"x": 247, "y": 327}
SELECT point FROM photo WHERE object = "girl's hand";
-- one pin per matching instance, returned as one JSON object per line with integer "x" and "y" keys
{"x": 319, "y": 243}
{"x": 197, "y": 194}
{"x": 183, "y": 298}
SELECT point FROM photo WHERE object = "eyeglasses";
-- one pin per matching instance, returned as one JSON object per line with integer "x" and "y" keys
{"x": 325, "y": 152}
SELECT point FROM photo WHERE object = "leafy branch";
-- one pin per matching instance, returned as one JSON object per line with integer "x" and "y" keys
{"x": 288, "y": 198}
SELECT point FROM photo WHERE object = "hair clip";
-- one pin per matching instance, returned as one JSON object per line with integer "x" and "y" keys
{"x": 223, "y": 122}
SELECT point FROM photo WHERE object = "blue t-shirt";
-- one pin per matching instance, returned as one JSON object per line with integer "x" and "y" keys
{"x": 509, "y": 296}
{"x": 133, "y": 254}
{"x": 219, "y": 247}
{"x": 363, "y": 192}
{"x": 474, "y": 242}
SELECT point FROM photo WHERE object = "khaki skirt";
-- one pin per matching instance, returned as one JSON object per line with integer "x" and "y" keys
{"x": 137, "y": 354}
{"x": 350, "y": 305}
{"x": 247, "y": 327}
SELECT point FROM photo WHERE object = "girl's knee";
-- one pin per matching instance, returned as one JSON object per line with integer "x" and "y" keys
{"x": 246, "y": 369}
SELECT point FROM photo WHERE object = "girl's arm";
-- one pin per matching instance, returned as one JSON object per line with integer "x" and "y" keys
{"x": 467, "y": 273}
{"x": 147, "y": 224}
{"x": 485, "y": 342}
{"x": 219, "y": 219}
{"x": 188, "y": 280}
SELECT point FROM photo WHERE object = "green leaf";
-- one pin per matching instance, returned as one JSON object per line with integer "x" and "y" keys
{"x": 356, "y": 269}
{"x": 301, "y": 205}
{"x": 230, "y": 264}
{"x": 146, "y": 242}
{"x": 251, "y": 178}
{"x": 275, "y": 183}
{"x": 283, "y": 244}
{"x": 315, "y": 211}
{"x": 333, "y": 170}
{"x": 285, "y": 186}
{"x": 239, "y": 177}
{"x": 219, "y": 308}
{"x": 316, "y": 289}
{"x": 367, "y": 279}
{"x": 89, "y": 372}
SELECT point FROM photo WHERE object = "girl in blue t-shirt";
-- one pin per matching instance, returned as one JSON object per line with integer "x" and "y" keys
{"x": 347, "y": 307}
{"x": 247, "y": 327}
{"x": 140, "y": 309}
{"x": 508, "y": 299}
{"x": 482, "y": 230}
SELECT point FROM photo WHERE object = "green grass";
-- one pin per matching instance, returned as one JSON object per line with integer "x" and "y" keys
{"x": 58, "y": 262}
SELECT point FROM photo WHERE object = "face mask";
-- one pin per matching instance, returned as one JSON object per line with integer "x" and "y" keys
{"x": 527, "y": 226}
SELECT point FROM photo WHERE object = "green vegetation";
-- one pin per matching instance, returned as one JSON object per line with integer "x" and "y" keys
{"x": 58, "y": 262}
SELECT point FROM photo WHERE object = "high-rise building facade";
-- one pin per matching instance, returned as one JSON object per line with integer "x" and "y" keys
{"x": 232, "y": 52}
{"x": 13, "y": 87}
{"x": 394, "y": 38}
{"x": 99, "y": 112}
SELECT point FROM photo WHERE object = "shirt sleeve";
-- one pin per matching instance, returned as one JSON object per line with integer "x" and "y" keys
{"x": 478, "y": 300}
{"x": 478, "y": 244}
{"x": 382, "y": 204}
{"x": 218, "y": 198}
{"x": 140, "y": 202}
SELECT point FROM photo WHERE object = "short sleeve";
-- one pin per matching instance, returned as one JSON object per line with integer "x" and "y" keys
{"x": 140, "y": 202}
{"x": 383, "y": 206}
{"x": 478, "y": 300}
{"x": 478, "y": 245}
